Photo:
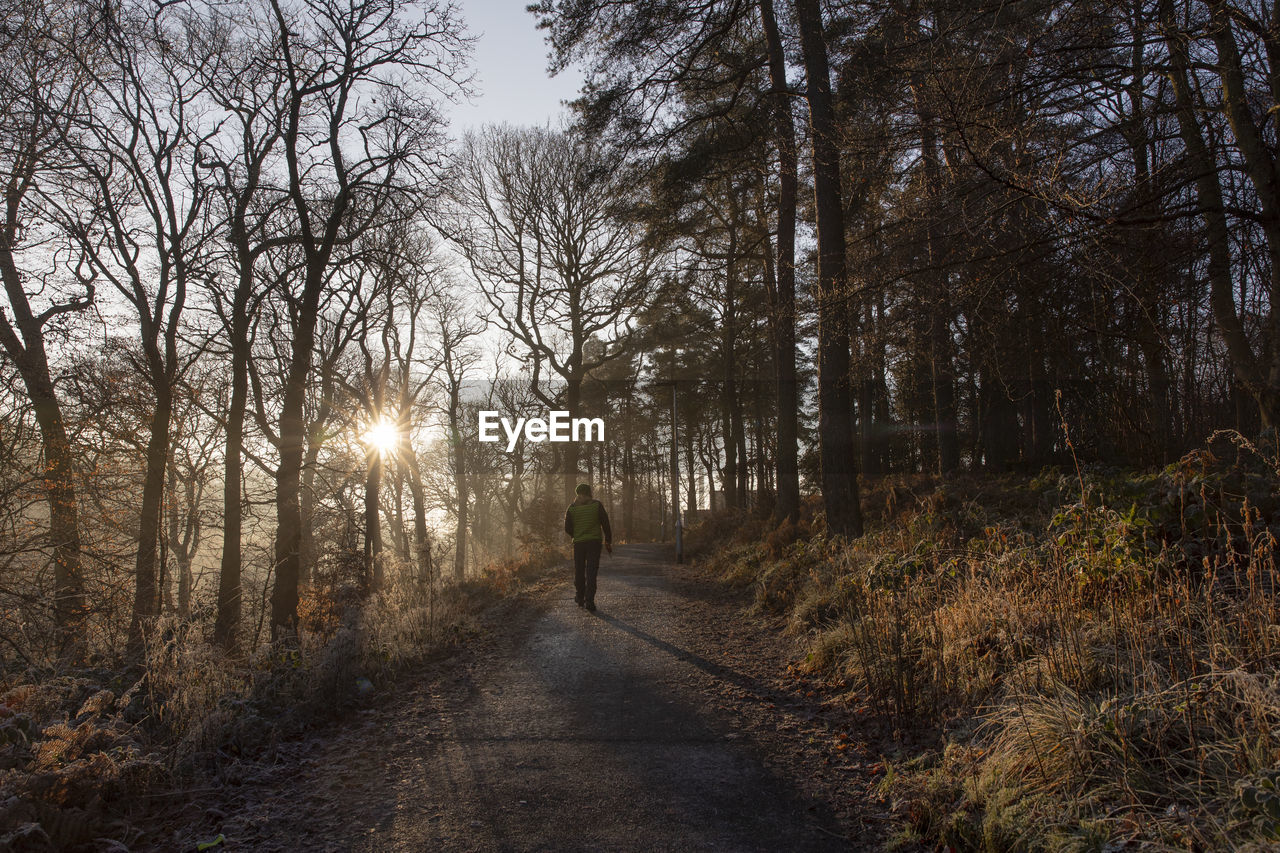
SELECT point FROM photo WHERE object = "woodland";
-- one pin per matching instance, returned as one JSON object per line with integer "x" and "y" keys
{"x": 948, "y": 323}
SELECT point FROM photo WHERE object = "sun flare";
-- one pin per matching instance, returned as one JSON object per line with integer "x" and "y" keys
{"x": 382, "y": 436}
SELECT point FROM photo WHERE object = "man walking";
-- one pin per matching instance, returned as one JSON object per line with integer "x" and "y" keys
{"x": 587, "y": 522}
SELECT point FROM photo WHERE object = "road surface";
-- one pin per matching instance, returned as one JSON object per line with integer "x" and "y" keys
{"x": 649, "y": 725}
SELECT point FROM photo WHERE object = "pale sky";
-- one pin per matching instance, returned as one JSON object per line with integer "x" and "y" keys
{"x": 510, "y": 63}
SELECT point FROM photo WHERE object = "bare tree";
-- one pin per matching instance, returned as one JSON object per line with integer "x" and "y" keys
{"x": 359, "y": 131}
{"x": 42, "y": 93}
{"x": 193, "y": 458}
{"x": 419, "y": 272}
{"x": 455, "y": 355}
{"x": 142, "y": 147}
{"x": 248, "y": 85}
{"x": 539, "y": 217}
{"x": 1258, "y": 372}
{"x": 509, "y": 394}
{"x": 394, "y": 277}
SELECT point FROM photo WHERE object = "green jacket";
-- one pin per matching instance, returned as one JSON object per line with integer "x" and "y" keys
{"x": 587, "y": 522}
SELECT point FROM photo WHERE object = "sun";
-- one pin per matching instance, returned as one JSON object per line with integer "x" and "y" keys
{"x": 382, "y": 435}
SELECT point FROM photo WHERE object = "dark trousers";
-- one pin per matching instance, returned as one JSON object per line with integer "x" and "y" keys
{"x": 586, "y": 565}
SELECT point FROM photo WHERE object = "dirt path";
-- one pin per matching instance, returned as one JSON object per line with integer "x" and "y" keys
{"x": 662, "y": 722}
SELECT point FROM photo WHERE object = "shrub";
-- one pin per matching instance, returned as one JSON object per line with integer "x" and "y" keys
{"x": 76, "y": 745}
{"x": 1095, "y": 651}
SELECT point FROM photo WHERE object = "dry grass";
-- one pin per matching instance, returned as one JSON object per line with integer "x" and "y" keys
{"x": 78, "y": 748}
{"x": 1098, "y": 666}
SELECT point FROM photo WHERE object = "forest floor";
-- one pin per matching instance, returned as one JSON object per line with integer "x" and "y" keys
{"x": 668, "y": 720}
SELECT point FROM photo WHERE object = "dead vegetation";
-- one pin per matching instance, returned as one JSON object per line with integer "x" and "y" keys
{"x": 1092, "y": 654}
{"x": 84, "y": 753}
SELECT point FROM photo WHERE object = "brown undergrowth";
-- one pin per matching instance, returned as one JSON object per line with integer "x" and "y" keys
{"x": 1091, "y": 654}
{"x": 85, "y": 753}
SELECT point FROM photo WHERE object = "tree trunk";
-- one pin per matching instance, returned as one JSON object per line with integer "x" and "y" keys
{"x": 692, "y": 491}
{"x": 1261, "y": 386}
{"x": 1153, "y": 355}
{"x": 883, "y": 416}
{"x": 373, "y": 521}
{"x": 421, "y": 538}
{"x": 146, "y": 600}
{"x": 835, "y": 417}
{"x": 628, "y": 482}
{"x": 514, "y": 495}
{"x": 740, "y": 438}
{"x": 711, "y": 475}
{"x": 867, "y": 419}
{"x": 784, "y": 295}
{"x": 183, "y": 544}
{"x": 227, "y": 622}
{"x": 728, "y": 474}
{"x": 942, "y": 370}
{"x": 404, "y": 550}
{"x": 1264, "y": 177}
{"x": 70, "y": 608}
{"x": 460, "y": 487}
{"x": 1151, "y": 272}
{"x": 764, "y": 500}
{"x": 185, "y": 579}
{"x": 288, "y": 544}
{"x": 307, "y": 512}
{"x": 573, "y": 402}
{"x": 999, "y": 422}
{"x": 729, "y": 394}
{"x": 31, "y": 359}
{"x": 1039, "y": 422}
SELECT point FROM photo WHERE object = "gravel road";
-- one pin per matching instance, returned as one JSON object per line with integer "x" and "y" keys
{"x": 661, "y": 722}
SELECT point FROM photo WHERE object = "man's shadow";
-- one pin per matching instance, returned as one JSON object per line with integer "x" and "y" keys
{"x": 715, "y": 670}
